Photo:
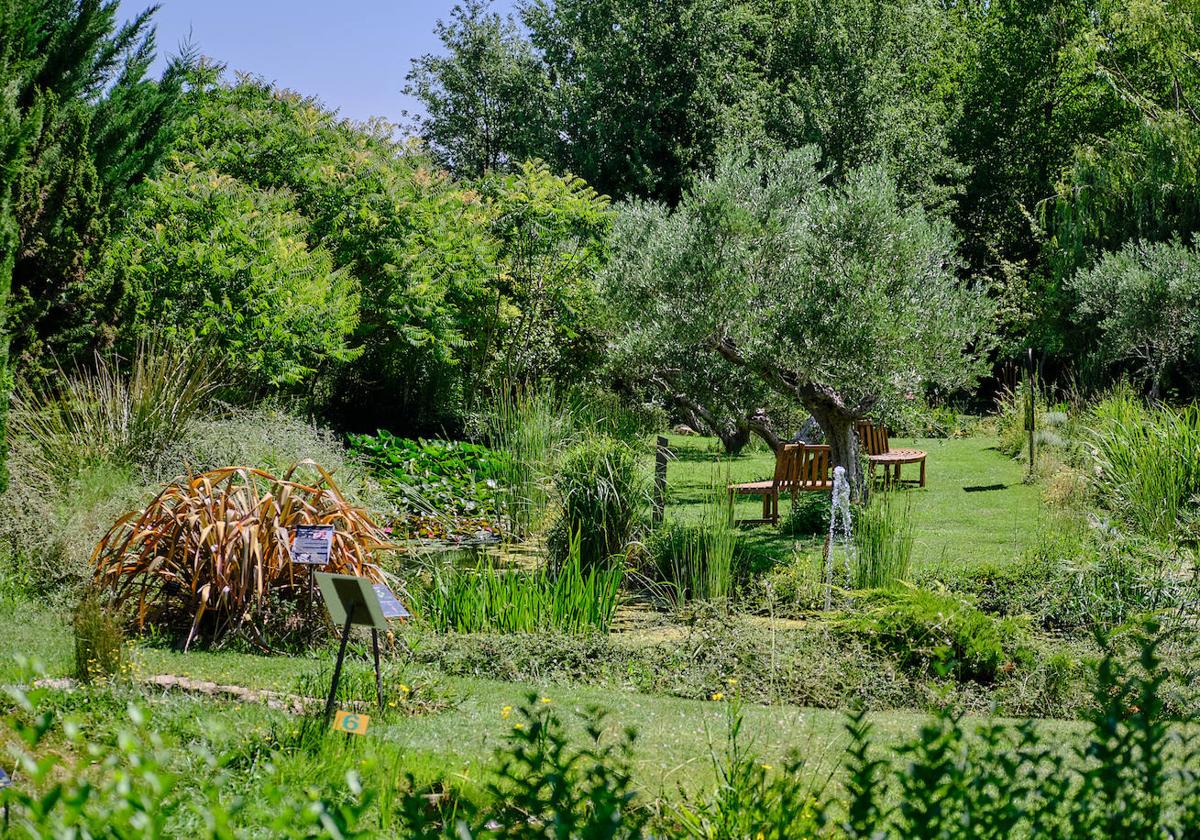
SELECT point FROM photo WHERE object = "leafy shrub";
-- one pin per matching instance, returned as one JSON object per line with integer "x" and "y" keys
{"x": 1145, "y": 301}
{"x": 807, "y": 516}
{"x": 1146, "y": 464}
{"x": 933, "y": 421}
{"x": 796, "y": 585}
{"x": 218, "y": 544}
{"x": 450, "y": 477}
{"x": 206, "y": 255}
{"x": 926, "y": 629}
{"x": 99, "y": 640}
{"x": 1074, "y": 578}
{"x": 573, "y": 597}
{"x": 603, "y": 492}
{"x": 883, "y": 540}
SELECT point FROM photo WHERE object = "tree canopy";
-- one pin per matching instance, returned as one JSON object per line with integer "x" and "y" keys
{"x": 837, "y": 296}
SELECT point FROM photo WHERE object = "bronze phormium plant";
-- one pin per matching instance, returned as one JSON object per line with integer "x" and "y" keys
{"x": 213, "y": 550}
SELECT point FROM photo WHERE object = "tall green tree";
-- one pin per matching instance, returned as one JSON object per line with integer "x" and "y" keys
{"x": 487, "y": 98}
{"x": 1141, "y": 180}
{"x": 838, "y": 297}
{"x": 1029, "y": 97}
{"x": 869, "y": 82}
{"x": 81, "y": 125}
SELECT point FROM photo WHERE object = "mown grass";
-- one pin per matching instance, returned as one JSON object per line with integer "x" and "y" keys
{"x": 674, "y": 746}
{"x": 974, "y": 510}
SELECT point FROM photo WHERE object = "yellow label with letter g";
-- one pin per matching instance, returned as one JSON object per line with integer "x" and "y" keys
{"x": 355, "y": 724}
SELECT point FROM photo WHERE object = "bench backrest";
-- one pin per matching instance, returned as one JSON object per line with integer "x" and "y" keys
{"x": 786, "y": 464}
{"x": 812, "y": 468}
{"x": 874, "y": 438}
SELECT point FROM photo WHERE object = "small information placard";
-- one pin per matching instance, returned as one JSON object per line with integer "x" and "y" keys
{"x": 351, "y": 722}
{"x": 311, "y": 544}
{"x": 388, "y": 602}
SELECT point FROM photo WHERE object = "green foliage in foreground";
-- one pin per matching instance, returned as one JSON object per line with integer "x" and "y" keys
{"x": 1130, "y": 775}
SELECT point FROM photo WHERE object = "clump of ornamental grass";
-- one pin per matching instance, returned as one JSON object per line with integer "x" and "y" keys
{"x": 883, "y": 540}
{"x": 603, "y": 491}
{"x": 571, "y": 597}
{"x": 530, "y": 429}
{"x": 213, "y": 550}
{"x": 118, "y": 411}
{"x": 1146, "y": 464}
{"x": 99, "y": 640}
{"x": 696, "y": 561}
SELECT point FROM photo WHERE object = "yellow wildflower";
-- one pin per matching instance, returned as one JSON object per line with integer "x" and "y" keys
{"x": 718, "y": 695}
{"x": 505, "y": 712}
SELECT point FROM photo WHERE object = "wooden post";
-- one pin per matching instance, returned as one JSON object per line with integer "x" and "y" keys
{"x": 661, "y": 454}
{"x": 1031, "y": 415}
{"x": 337, "y": 669}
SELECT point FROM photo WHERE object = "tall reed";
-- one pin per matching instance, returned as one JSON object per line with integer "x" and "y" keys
{"x": 697, "y": 562}
{"x": 569, "y": 598}
{"x": 118, "y": 411}
{"x": 603, "y": 491}
{"x": 883, "y": 540}
{"x": 531, "y": 430}
{"x": 1147, "y": 463}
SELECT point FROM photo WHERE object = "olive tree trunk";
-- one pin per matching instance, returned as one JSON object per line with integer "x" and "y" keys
{"x": 835, "y": 418}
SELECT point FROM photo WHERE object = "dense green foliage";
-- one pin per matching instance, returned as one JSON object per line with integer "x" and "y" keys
{"x": 571, "y": 597}
{"x": 839, "y": 298}
{"x": 80, "y": 126}
{"x": 452, "y": 477}
{"x": 1144, "y": 301}
{"x": 1047, "y": 131}
{"x": 603, "y": 493}
{"x": 1129, "y": 774}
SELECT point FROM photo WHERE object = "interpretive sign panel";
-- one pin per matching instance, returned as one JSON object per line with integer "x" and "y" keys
{"x": 311, "y": 544}
{"x": 389, "y": 603}
{"x": 351, "y": 597}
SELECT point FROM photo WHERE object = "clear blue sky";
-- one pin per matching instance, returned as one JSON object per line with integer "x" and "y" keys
{"x": 352, "y": 54}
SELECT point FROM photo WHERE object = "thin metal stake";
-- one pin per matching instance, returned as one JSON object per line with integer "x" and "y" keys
{"x": 337, "y": 669}
{"x": 378, "y": 673}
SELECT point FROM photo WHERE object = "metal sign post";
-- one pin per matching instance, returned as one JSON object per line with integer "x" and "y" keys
{"x": 356, "y": 600}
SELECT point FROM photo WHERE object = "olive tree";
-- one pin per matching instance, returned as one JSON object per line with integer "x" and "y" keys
{"x": 833, "y": 295}
{"x": 1145, "y": 302}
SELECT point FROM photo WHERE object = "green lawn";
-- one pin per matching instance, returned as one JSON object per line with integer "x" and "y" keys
{"x": 974, "y": 508}
{"x": 675, "y": 741}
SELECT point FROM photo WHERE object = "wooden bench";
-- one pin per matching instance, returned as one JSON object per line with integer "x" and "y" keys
{"x": 874, "y": 440}
{"x": 798, "y": 468}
